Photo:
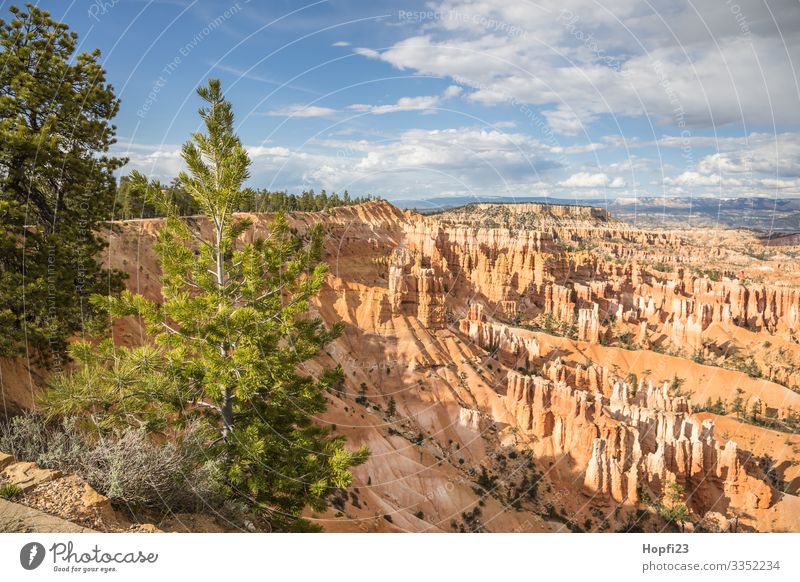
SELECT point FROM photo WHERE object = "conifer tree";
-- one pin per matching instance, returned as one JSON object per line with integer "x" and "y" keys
{"x": 56, "y": 183}
{"x": 227, "y": 342}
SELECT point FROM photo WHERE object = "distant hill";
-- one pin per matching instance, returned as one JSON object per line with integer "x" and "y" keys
{"x": 762, "y": 214}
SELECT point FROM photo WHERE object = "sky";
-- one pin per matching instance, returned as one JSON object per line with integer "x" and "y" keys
{"x": 601, "y": 99}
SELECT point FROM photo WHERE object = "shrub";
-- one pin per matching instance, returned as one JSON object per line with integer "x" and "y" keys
{"x": 133, "y": 470}
{"x": 10, "y": 491}
{"x": 128, "y": 467}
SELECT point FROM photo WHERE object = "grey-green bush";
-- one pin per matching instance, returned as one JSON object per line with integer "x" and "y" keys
{"x": 128, "y": 467}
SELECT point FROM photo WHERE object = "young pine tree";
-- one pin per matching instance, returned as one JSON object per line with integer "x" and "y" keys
{"x": 226, "y": 342}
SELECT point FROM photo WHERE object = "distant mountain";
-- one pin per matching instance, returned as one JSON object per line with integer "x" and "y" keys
{"x": 762, "y": 214}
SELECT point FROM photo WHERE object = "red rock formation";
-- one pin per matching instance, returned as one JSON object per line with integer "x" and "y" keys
{"x": 589, "y": 325}
{"x": 643, "y": 437}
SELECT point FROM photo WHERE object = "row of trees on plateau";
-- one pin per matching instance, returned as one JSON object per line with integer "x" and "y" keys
{"x": 132, "y": 202}
{"x": 224, "y": 348}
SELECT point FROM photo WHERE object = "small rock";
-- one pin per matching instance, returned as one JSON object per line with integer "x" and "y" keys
{"x": 26, "y": 476}
{"x": 6, "y": 460}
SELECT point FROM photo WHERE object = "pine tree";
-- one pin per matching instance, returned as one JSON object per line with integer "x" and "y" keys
{"x": 755, "y": 410}
{"x": 676, "y": 511}
{"x": 226, "y": 341}
{"x": 738, "y": 403}
{"x": 56, "y": 182}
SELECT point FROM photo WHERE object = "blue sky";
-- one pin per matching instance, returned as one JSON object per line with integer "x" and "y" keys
{"x": 569, "y": 99}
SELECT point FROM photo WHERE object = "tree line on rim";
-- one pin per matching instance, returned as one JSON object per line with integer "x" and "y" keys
{"x": 131, "y": 201}
{"x": 219, "y": 382}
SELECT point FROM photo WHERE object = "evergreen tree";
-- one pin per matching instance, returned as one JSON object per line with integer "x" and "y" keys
{"x": 738, "y": 403}
{"x": 755, "y": 410}
{"x": 56, "y": 182}
{"x": 227, "y": 342}
{"x": 676, "y": 510}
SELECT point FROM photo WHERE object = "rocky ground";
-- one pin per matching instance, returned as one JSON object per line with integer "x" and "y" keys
{"x": 533, "y": 368}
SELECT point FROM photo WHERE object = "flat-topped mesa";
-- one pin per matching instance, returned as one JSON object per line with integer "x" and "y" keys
{"x": 566, "y": 223}
{"x": 528, "y": 215}
{"x": 635, "y": 438}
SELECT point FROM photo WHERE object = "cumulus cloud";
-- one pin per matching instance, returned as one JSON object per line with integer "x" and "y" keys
{"x": 418, "y": 163}
{"x": 778, "y": 155}
{"x": 589, "y": 180}
{"x": 472, "y": 158}
{"x": 159, "y": 161}
{"x": 705, "y": 65}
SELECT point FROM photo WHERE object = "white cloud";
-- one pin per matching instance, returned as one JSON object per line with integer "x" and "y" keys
{"x": 418, "y": 163}
{"x": 452, "y": 91}
{"x": 695, "y": 64}
{"x": 341, "y": 43}
{"x": 425, "y": 103}
{"x": 695, "y": 179}
{"x": 299, "y": 110}
{"x": 428, "y": 162}
{"x": 158, "y": 161}
{"x": 762, "y": 153}
{"x": 367, "y": 52}
{"x": 402, "y": 104}
{"x": 578, "y": 148}
{"x": 589, "y": 180}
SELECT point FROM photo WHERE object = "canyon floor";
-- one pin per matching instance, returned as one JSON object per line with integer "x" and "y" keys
{"x": 544, "y": 368}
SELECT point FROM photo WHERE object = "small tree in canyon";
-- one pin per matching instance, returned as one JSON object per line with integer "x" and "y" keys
{"x": 227, "y": 343}
{"x": 676, "y": 510}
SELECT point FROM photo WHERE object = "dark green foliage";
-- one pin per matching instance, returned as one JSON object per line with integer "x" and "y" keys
{"x": 56, "y": 183}
{"x": 716, "y": 407}
{"x": 676, "y": 387}
{"x": 772, "y": 473}
{"x": 738, "y": 403}
{"x": 132, "y": 201}
{"x": 227, "y": 341}
{"x": 712, "y": 274}
{"x": 307, "y": 201}
{"x": 362, "y": 395}
{"x": 471, "y": 521}
{"x": 675, "y": 510}
{"x": 635, "y": 522}
{"x": 486, "y": 481}
{"x": 755, "y": 410}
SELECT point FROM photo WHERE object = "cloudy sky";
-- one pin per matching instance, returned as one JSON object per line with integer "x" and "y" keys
{"x": 414, "y": 100}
